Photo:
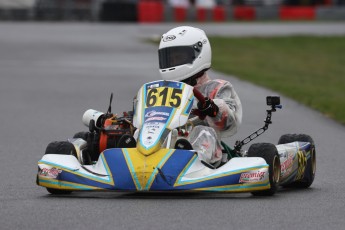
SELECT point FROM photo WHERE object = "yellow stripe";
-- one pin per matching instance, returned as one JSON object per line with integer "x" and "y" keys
{"x": 246, "y": 187}
{"x": 57, "y": 184}
{"x": 144, "y": 168}
{"x": 160, "y": 165}
{"x": 132, "y": 168}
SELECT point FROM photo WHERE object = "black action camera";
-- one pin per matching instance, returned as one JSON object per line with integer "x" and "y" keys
{"x": 273, "y": 100}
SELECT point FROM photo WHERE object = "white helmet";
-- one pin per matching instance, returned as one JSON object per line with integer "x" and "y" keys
{"x": 184, "y": 52}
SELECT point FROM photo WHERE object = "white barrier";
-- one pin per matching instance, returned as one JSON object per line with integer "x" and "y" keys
{"x": 17, "y": 4}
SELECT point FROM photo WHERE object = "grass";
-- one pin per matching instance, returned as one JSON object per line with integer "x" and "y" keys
{"x": 309, "y": 69}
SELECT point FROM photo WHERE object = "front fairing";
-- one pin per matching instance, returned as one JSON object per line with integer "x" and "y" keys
{"x": 167, "y": 170}
{"x": 157, "y": 172}
{"x": 161, "y": 106}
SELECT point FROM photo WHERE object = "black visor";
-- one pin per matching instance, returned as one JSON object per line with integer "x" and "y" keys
{"x": 178, "y": 55}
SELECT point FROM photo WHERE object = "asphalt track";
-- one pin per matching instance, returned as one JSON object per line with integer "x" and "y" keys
{"x": 51, "y": 73}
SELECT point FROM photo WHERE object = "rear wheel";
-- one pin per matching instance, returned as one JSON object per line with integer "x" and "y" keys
{"x": 310, "y": 170}
{"x": 62, "y": 148}
{"x": 270, "y": 154}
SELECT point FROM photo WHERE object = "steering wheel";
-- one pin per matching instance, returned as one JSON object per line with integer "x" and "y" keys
{"x": 198, "y": 95}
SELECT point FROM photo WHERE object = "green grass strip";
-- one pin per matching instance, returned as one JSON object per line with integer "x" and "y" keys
{"x": 308, "y": 69}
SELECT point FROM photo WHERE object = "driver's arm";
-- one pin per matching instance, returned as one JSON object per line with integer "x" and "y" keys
{"x": 229, "y": 116}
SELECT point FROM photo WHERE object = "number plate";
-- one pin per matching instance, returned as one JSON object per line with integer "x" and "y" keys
{"x": 164, "y": 96}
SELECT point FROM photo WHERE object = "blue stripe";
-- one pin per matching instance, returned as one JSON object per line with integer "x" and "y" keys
{"x": 189, "y": 107}
{"x": 119, "y": 169}
{"x": 171, "y": 170}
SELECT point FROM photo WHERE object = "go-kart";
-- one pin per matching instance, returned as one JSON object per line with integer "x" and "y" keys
{"x": 157, "y": 159}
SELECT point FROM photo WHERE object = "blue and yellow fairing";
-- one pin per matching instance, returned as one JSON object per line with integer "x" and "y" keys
{"x": 129, "y": 170}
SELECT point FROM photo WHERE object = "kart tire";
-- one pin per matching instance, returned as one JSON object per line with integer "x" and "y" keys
{"x": 82, "y": 135}
{"x": 58, "y": 191}
{"x": 270, "y": 153}
{"x": 309, "y": 173}
{"x": 63, "y": 148}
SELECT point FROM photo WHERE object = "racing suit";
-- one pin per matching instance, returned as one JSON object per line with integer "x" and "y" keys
{"x": 206, "y": 135}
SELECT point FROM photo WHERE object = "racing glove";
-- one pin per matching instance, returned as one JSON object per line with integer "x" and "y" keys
{"x": 209, "y": 108}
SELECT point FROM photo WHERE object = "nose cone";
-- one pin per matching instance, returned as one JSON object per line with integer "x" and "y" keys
{"x": 156, "y": 172}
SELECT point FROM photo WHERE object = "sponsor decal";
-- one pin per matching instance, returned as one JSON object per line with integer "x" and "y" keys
{"x": 156, "y": 119}
{"x": 153, "y": 126}
{"x": 148, "y": 140}
{"x": 155, "y": 113}
{"x": 51, "y": 173}
{"x": 250, "y": 177}
{"x": 169, "y": 38}
{"x": 286, "y": 166}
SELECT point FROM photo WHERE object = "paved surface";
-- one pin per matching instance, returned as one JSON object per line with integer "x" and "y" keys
{"x": 51, "y": 73}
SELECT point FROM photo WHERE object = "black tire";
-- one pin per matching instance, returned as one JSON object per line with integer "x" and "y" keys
{"x": 82, "y": 135}
{"x": 270, "y": 153}
{"x": 58, "y": 191}
{"x": 310, "y": 170}
{"x": 63, "y": 148}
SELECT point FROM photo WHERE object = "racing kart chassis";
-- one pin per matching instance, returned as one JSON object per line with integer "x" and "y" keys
{"x": 153, "y": 163}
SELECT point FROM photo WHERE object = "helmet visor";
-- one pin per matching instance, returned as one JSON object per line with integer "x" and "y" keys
{"x": 175, "y": 56}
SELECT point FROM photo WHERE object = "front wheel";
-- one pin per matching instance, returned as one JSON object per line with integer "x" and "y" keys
{"x": 270, "y": 153}
{"x": 58, "y": 191}
{"x": 62, "y": 148}
{"x": 310, "y": 170}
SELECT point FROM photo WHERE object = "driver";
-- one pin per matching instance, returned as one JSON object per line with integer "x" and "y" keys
{"x": 185, "y": 55}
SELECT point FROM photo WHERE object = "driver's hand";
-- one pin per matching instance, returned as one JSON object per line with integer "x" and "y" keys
{"x": 209, "y": 108}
